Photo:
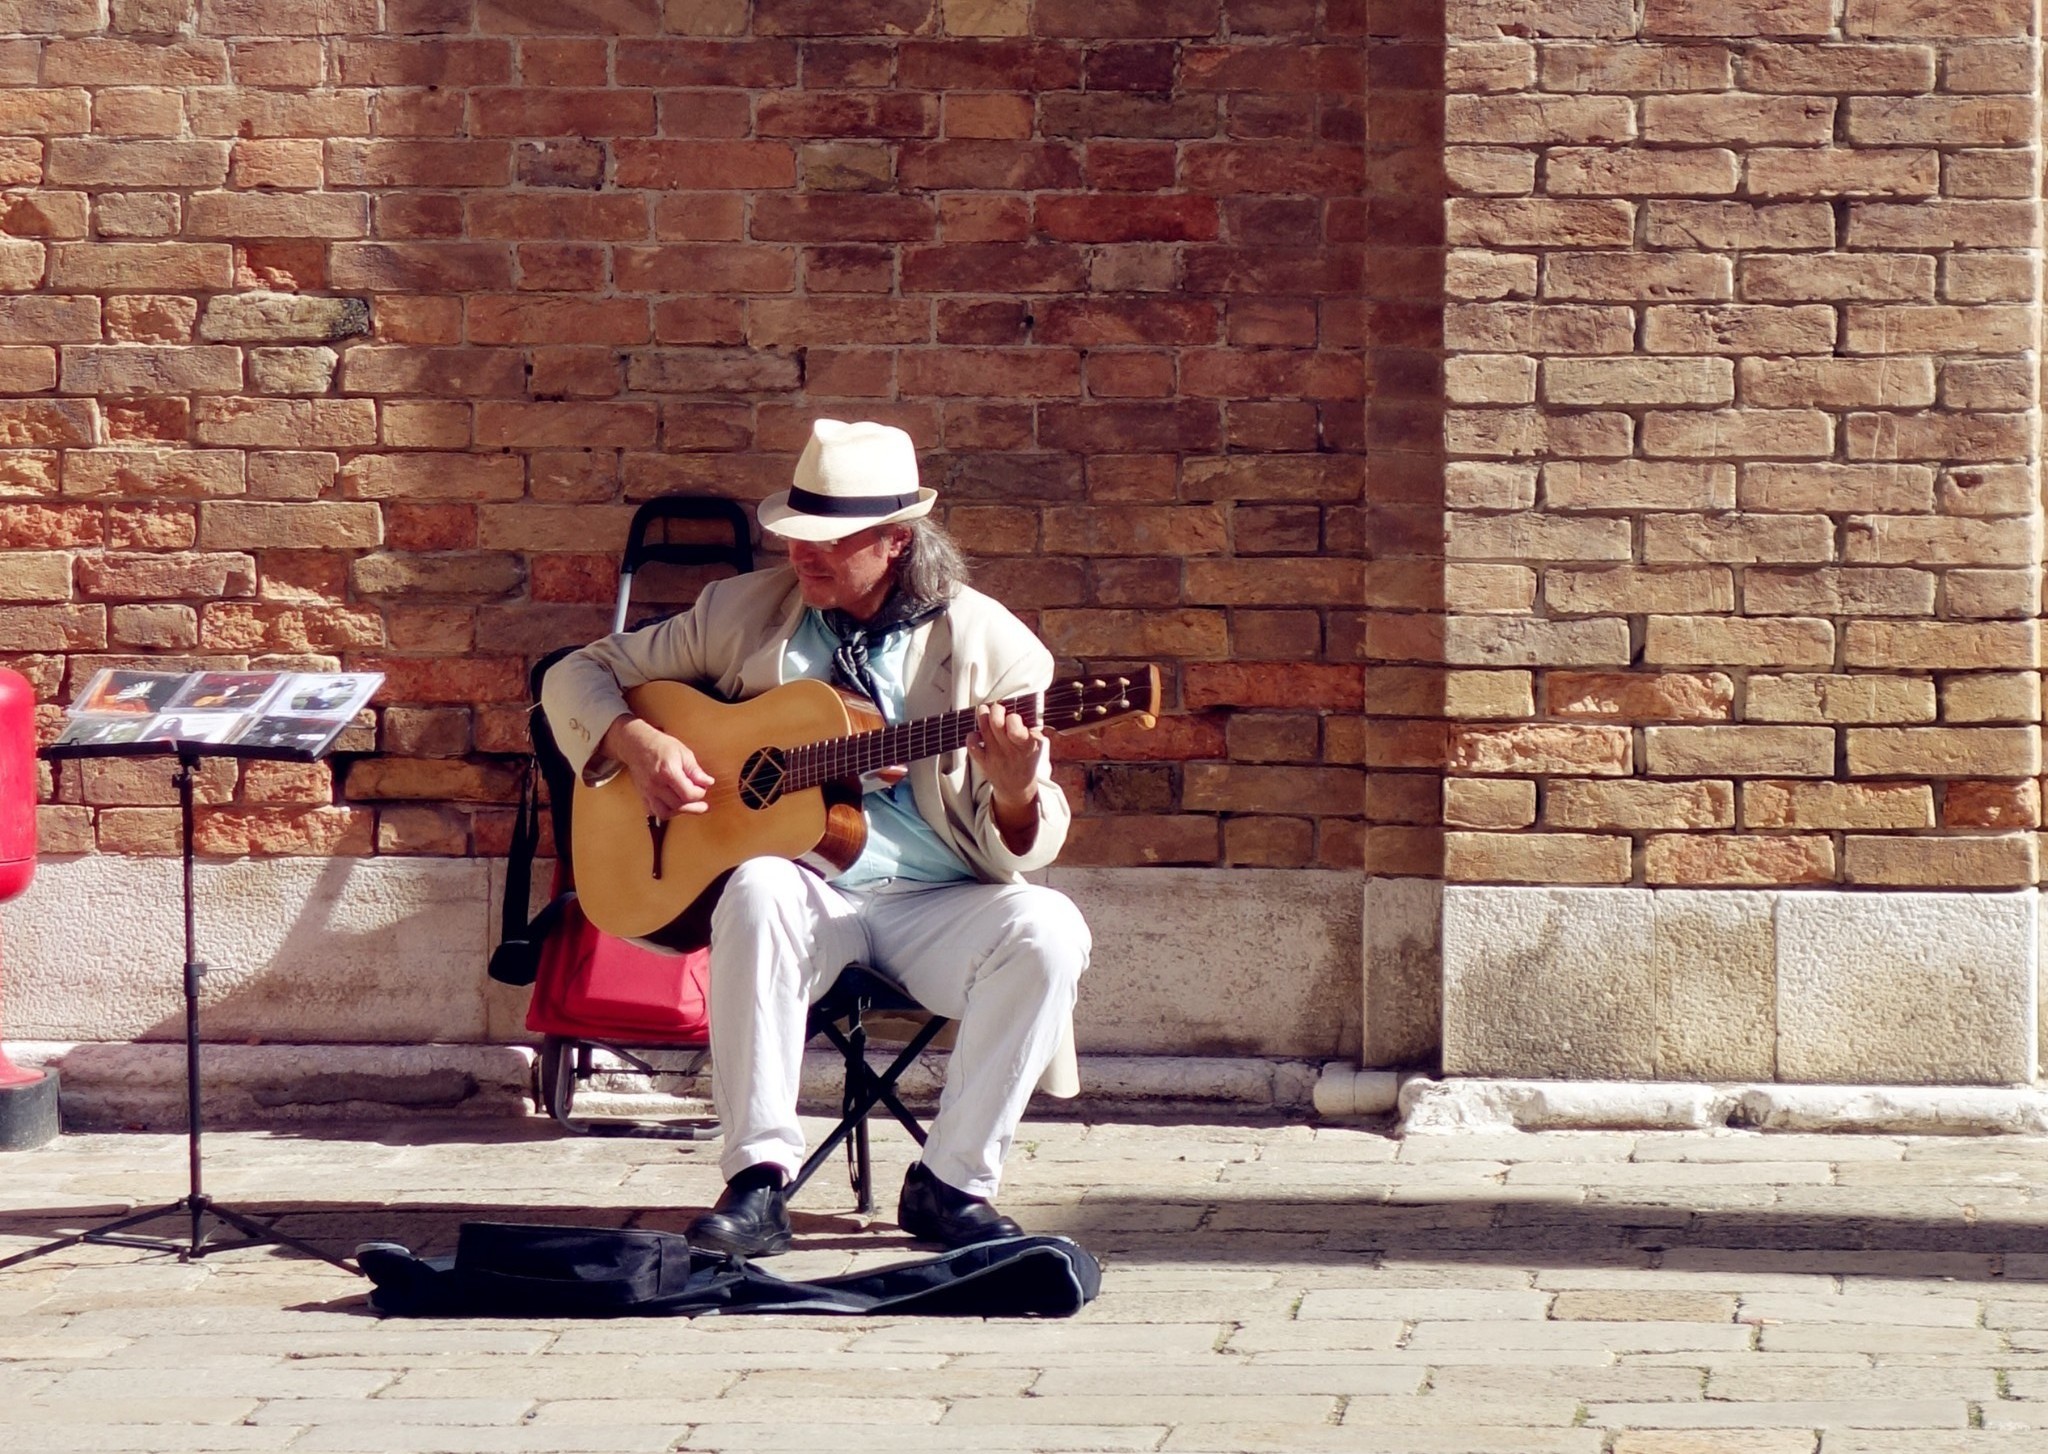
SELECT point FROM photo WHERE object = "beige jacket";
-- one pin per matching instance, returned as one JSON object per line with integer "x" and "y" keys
{"x": 734, "y": 637}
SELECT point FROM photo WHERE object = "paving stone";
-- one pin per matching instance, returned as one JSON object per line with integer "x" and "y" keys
{"x": 1706, "y": 1441}
{"x": 1418, "y": 1304}
{"x": 487, "y": 1439}
{"x": 1148, "y": 1409}
{"x": 1921, "y": 1312}
{"x": 1615, "y": 1337}
{"x": 1932, "y": 1441}
{"x": 92, "y": 1438}
{"x": 1267, "y": 1287}
{"x": 1779, "y": 1383}
{"x": 1038, "y": 1438}
{"x": 640, "y": 1409}
{"x": 1806, "y": 1414}
{"x": 374, "y": 1412}
{"x": 1248, "y": 1376}
{"x": 1862, "y": 1338}
{"x": 1362, "y": 1438}
{"x": 1619, "y": 1306}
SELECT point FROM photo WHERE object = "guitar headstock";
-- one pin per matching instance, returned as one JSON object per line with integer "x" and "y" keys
{"x": 1081, "y": 704}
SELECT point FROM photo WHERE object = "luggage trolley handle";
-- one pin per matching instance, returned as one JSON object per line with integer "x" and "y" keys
{"x": 642, "y": 547}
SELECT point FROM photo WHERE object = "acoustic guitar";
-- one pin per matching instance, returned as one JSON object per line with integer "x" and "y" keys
{"x": 786, "y": 767}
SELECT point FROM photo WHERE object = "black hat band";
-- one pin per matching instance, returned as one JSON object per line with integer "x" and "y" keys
{"x": 808, "y": 503}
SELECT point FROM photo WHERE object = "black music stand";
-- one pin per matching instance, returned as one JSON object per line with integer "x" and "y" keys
{"x": 195, "y": 1204}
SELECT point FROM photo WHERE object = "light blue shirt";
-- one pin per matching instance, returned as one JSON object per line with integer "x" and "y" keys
{"x": 900, "y": 843}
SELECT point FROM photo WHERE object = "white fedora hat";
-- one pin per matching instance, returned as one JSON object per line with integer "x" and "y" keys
{"x": 850, "y": 477}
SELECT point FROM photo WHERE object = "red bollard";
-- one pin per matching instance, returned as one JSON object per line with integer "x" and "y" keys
{"x": 28, "y": 1098}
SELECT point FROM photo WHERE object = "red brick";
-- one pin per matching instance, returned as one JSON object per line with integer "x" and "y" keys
{"x": 1127, "y": 219}
{"x": 1122, "y": 428}
{"x": 699, "y": 320}
{"x": 1010, "y": 166}
{"x": 1216, "y": 167}
{"x": 1129, "y": 166}
{"x": 987, "y": 65}
{"x": 564, "y": 113}
{"x": 1152, "y": 321}
{"x": 450, "y": 63}
{"x": 555, "y": 318}
{"x": 843, "y": 17}
{"x": 751, "y": 64}
{"x": 991, "y": 373}
{"x": 709, "y": 267}
{"x": 418, "y": 162}
{"x": 1092, "y": 19}
{"x": 1273, "y": 68}
{"x": 994, "y": 268}
{"x": 815, "y": 321}
{"x": 843, "y": 217}
{"x": 526, "y": 218}
{"x": 1303, "y": 686}
{"x": 841, "y": 114}
{"x": 421, "y": 267}
{"x": 703, "y": 165}
{"x": 553, "y": 426}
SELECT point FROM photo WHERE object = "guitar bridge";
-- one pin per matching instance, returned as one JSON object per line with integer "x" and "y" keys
{"x": 657, "y": 829}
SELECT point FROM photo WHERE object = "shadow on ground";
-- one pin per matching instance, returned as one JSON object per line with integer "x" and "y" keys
{"x": 1182, "y": 1228}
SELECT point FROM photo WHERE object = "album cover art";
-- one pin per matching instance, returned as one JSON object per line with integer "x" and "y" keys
{"x": 130, "y": 693}
{"x": 225, "y": 691}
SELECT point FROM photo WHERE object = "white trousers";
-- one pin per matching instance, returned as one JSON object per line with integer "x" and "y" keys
{"x": 1001, "y": 959}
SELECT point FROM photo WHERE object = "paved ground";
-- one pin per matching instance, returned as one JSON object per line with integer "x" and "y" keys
{"x": 1267, "y": 1287}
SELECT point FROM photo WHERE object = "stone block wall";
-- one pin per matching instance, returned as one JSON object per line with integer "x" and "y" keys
{"x": 344, "y": 333}
{"x": 1743, "y": 513}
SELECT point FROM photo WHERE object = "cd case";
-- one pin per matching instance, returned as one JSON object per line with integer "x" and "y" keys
{"x": 264, "y": 713}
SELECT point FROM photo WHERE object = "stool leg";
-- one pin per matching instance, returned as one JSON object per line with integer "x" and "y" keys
{"x": 858, "y": 1166}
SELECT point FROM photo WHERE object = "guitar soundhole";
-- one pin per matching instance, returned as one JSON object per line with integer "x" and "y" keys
{"x": 762, "y": 778}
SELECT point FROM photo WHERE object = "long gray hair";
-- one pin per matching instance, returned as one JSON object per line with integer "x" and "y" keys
{"x": 932, "y": 567}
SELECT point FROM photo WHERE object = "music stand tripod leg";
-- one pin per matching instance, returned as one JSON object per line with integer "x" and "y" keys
{"x": 195, "y": 1203}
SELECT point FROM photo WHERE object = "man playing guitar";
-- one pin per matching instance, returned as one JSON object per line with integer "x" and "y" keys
{"x": 873, "y": 599}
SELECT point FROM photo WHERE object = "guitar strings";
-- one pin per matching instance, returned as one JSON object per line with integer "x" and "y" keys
{"x": 923, "y": 737}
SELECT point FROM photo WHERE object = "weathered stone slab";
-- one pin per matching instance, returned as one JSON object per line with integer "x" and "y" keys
{"x": 1403, "y": 1021}
{"x": 1908, "y": 988}
{"x": 1548, "y": 982}
{"x": 1715, "y": 977}
{"x": 1219, "y": 961}
{"x": 299, "y": 949}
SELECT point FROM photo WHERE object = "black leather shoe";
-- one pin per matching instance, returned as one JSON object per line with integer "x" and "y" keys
{"x": 932, "y": 1211}
{"x": 749, "y": 1219}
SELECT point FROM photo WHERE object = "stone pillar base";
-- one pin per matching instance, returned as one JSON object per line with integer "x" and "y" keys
{"x": 1490, "y": 1105}
{"x": 28, "y": 1113}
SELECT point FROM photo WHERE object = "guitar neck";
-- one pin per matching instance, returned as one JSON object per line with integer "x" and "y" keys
{"x": 906, "y": 742}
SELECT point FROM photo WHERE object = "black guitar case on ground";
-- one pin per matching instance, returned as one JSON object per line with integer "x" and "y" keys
{"x": 510, "y": 1270}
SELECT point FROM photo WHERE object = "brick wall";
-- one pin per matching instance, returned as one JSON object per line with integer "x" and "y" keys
{"x": 1576, "y": 442}
{"x": 339, "y": 333}
{"x": 1743, "y": 521}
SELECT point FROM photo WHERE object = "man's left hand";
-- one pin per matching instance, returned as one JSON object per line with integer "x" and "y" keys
{"x": 1005, "y": 750}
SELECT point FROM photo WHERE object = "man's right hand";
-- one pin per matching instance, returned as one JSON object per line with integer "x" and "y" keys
{"x": 662, "y": 767}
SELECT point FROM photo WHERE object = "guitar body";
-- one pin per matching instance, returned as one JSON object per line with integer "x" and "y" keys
{"x": 660, "y": 886}
{"x": 658, "y": 882}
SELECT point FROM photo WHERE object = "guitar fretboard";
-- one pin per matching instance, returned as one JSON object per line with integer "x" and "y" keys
{"x": 817, "y": 763}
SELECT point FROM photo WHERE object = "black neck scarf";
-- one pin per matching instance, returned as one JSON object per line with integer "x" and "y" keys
{"x": 858, "y": 638}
